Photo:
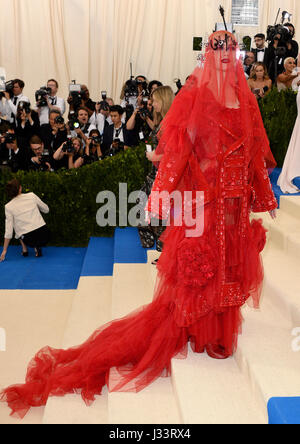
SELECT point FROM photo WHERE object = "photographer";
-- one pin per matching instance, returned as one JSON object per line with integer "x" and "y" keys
{"x": 132, "y": 94}
{"x": 27, "y": 124}
{"x": 50, "y": 102}
{"x": 23, "y": 217}
{"x": 93, "y": 151}
{"x": 80, "y": 126}
{"x": 54, "y": 133}
{"x": 16, "y": 158}
{"x": 81, "y": 100}
{"x": 69, "y": 155}
{"x": 141, "y": 123}
{"x": 248, "y": 63}
{"x": 115, "y": 137}
{"x": 101, "y": 117}
{"x": 281, "y": 47}
{"x": 13, "y": 98}
{"x": 39, "y": 160}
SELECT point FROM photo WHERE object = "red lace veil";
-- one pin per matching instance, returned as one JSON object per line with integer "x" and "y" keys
{"x": 201, "y": 110}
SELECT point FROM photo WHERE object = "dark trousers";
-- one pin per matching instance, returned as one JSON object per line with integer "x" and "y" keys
{"x": 37, "y": 238}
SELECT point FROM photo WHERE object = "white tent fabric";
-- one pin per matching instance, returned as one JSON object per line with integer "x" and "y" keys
{"x": 93, "y": 41}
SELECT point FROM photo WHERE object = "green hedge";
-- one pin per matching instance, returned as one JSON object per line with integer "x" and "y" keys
{"x": 71, "y": 194}
{"x": 279, "y": 113}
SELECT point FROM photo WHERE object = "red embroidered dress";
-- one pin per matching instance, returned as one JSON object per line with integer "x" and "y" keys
{"x": 213, "y": 141}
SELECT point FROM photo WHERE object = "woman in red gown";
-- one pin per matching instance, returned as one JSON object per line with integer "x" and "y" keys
{"x": 213, "y": 141}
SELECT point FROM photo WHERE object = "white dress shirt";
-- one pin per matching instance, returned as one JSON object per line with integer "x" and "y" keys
{"x": 12, "y": 108}
{"x": 23, "y": 215}
{"x": 58, "y": 102}
{"x": 118, "y": 133}
{"x": 261, "y": 56}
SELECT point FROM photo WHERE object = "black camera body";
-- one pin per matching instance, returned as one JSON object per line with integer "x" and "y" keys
{"x": 68, "y": 147}
{"x": 10, "y": 138}
{"x": 118, "y": 148}
{"x": 96, "y": 140}
{"x": 9, "y": 86}
{"x": 41, "y": 96}
{"x": 43, "y": 167}
{"x": 73, "y": 124}
{"x": 131, "y": 89}
{"x": 283, "y": 31}
{"x": 24, "y": 106}
{"x": 104, "y": 106}
{"x": 59, "y": 120}
{"x": 77, "y": 98}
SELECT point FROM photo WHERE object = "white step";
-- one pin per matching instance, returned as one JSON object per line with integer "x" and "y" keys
{"x": 156, "y": 404}
{"x": 215, "y": 392}
{"x": 282, "y": 283}
{"x": 291, "y": 205}
{"x": 265, "y": 353}
{"x": 210, "y": 391}
{"x": 293, "y": 245}
{"x": 91, "y": 309}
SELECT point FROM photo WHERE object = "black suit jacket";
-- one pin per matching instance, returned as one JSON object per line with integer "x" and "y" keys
{"x": 51, "y": 142}
{"x": 266, "y": 56}
{"x": 108, "y": 138}
{"x": 20, "y": 160}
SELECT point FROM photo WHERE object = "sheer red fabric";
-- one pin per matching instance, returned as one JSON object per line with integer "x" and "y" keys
{"x": 213, "y": 141}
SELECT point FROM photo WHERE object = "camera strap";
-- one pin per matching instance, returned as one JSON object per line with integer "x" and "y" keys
{"x": 118, "y": 132}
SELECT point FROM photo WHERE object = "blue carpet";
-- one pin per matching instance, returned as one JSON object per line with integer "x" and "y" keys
{"x": 58, "y": 269}
{"x": 277, "y": 191}
{"x": 128, "y": 249}
{"x": 284, "y": 411}
{"x": 99, "y": 259}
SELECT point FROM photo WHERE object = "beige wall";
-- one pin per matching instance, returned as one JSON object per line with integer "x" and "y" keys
{"x": 93, "y": 41}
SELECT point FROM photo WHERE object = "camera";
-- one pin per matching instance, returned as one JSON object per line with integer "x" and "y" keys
{"x": 68, "y": 147}
{"x": 75, "y": 94}
{"x": 104, "y": 106}
{"x": 73, "y": 124}
{"x": 96, "y": 140}
{"x": 131, "y": 89}
{"x": 10, "y": 138}
{"x": 117, "y": 148}
{"x": 43, "y": 164}
{"x": 7, "y": 87}
{"x": 283, "y": 31}
{"x": 144, "y": 112}
{"x": 59, "y": 120}
{"x": 178, "y": 84}
{"x": 41, "y": 96}
{"x": 24, "y": 106}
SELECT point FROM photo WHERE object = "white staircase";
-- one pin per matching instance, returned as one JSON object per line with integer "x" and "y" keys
{"x": 201, "y": 390}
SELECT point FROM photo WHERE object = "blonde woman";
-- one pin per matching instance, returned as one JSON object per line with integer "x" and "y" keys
{"x": 162, "y": 99}
{"x": 259, "y": 81}
{"x": 286, "y": 79}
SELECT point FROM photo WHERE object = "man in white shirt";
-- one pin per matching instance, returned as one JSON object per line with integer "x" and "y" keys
{"x": 13, "y": 102}
{"x": 54, "y": 102}
{"x": 261, "y": 52}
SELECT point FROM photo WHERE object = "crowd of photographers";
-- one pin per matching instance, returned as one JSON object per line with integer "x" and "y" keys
{"x": 40, "y": 138}
{"x": 273, "y": 61}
